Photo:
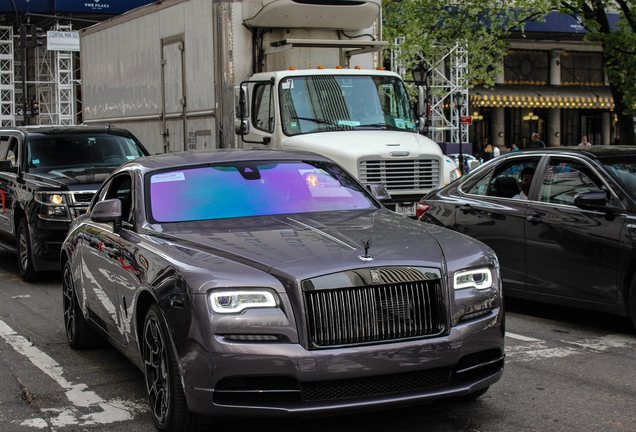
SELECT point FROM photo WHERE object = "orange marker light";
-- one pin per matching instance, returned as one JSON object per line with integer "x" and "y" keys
{"x": 319, "y": 67}
{"x": 338, "y": 67}
{"x": 380, "y": 68}
{"x": 292, "y": 68}
{"x": 357, "y": 67}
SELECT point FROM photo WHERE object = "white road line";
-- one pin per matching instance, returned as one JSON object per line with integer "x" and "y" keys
{"x": 105, "y": 411}
{"x": 522, "y": 338}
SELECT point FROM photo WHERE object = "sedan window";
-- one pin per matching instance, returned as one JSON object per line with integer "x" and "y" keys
{"x": 513, "y": 178}
{"x": 253, "y": 189}
{"x": 565, "y": 178}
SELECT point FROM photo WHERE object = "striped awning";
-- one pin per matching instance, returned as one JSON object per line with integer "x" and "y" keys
{"x": 526, "y": 96}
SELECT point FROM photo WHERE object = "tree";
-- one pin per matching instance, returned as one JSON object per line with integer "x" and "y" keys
{"x": 430, "y": 28}
{"x": 619, "y": 52}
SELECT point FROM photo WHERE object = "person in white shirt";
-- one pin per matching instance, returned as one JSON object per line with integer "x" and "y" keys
{"x": 495, "y": 151}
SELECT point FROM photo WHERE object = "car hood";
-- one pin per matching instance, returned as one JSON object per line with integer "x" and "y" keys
{"x": 74, "y": 179}
{"x": 301, "y": 246}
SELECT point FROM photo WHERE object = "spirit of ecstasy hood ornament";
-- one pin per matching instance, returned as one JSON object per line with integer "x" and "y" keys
{"x": 366, "y": 256}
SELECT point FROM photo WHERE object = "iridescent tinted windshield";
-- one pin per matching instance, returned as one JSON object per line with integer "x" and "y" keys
{"x": 252, "y": 189}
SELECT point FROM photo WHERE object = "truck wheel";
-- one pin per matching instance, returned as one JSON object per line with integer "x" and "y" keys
{"x": 163, "y": 382}
{"x": 25, "y": 261}
{"x": 78, "y": 334}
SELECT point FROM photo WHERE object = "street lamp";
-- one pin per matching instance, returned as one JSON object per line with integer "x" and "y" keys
{"x": 420, "y": 75}
{"x": 459, "y": 102}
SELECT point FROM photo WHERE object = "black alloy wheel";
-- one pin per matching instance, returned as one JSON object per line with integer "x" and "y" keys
{"x": 78, "y": 334}
{"x": 165, "y": 393}
{"x": 25, "y": 261}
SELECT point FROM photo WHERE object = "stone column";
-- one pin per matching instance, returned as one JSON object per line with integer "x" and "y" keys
{"x": 606, "y": 128}
{"x": 499, "y": 77}
{"x": 554, "y": 114}
{"x": 553, "y": 138}
{"x": 498, "y": 128}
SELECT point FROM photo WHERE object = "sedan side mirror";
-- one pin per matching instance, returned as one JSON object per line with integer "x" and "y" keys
{"x": 379, "y": 192}
{"x": 108, "y": 211}
{"x": 596, "y": 200}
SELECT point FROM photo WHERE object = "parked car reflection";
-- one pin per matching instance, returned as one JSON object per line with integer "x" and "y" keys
{"x": 566, "y": 236}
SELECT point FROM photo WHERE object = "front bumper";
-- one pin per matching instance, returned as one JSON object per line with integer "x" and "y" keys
{"x": 276, "y": 379}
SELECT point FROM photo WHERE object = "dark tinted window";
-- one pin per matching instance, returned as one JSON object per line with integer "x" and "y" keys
{"x": 79, "y": 151}
{"x": 565, "y": 178}
{"x": 513, "y": 178}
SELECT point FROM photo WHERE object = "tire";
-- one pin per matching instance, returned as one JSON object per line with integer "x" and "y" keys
{"x": 25, "y": 259}
{"x": 163, "y": 382}
{"x": 78, "y": 334}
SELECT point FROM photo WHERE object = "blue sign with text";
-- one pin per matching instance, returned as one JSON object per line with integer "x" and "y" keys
{"x": 114, "y": 7}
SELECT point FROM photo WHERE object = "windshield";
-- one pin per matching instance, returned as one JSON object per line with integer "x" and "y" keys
{"x": 79, "y": 151}
{"x": 331, "y": 103}
{"x": 252, "y": 189}
{"x": 624, "y": 170}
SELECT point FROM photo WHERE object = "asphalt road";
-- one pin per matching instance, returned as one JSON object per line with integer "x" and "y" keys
{"x": 566, "y": 370}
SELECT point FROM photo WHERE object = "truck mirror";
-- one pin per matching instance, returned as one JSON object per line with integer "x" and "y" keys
{"x": 241, "y": 98}
{"x": 242, "y": 126}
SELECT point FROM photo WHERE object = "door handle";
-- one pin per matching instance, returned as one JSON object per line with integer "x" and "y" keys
{"x": 535, "y": 219}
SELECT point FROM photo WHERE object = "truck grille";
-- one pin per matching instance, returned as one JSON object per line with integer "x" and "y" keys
{"x": 374, "y": 313}
{"x": 411, "y": 174}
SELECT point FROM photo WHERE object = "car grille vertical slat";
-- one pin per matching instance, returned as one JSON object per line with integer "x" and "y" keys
{"x": 347, "y": 316}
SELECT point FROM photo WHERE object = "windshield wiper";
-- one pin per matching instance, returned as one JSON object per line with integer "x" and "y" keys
{"x": 382, "y": 125}
{"x": 322, "y": 121}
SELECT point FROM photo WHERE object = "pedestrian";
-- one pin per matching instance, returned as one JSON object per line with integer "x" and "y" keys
{"x": 514, "y": 147}
{"x": 488, "y": 153}
{"x": 495, "y": 151}
{"x": 536, "y": 142}
{"x": 584, "y": 141}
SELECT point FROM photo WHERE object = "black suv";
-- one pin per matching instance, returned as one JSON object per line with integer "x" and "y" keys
{"x": 48, "y": 176}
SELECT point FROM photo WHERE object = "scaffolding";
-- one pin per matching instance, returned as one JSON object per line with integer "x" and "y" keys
{"x": 55, "y": 85}
{"x": 7, "y": 73}
{"x": 442, "y": 88}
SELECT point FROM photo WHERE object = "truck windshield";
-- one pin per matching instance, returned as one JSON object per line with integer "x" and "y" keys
{"x": 79, "y": 151}
{"x": 344, "y": 102}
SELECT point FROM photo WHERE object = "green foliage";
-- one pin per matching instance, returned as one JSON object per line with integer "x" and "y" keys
{"x": 430, "y": 28}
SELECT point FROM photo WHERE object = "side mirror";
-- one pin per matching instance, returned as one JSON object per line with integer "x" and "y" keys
{"x": 379, "y": 192}
{"x": 242, "y": 126}
{"x": 108, "y": 211}
{"x": 6, "y": 166}
{"x": 241, "y": 98}
{"x": 596, "y": 200}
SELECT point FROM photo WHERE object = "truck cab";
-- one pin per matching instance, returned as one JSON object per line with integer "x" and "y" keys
{"x": 362, "y": 119}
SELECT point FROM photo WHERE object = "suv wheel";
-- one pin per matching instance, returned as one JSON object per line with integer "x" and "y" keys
{"x": 25, "y": 261}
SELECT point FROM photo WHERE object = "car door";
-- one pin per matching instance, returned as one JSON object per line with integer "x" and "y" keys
{"x": 492, "y": 211}
{"x": 571, "y": 252}
{"x": 8, "y": 151}
{"x": 110, "y": 260}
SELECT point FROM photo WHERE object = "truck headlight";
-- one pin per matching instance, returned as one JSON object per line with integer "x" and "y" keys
{"x": 230, "y": 301}
{"x": 480, "y": 278}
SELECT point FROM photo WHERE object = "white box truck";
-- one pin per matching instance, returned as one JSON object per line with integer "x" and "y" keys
{"x": 290, "y": 74}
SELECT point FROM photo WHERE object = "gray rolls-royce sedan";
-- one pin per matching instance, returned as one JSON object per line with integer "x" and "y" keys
{"x": 269, "y": 283}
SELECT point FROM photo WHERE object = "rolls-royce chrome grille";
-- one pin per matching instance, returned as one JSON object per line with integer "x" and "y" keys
{"x": 375, "y": 313}
{"x": 401, "y": 174}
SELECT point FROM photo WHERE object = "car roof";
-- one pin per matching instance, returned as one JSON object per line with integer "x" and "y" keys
{"x": 191, "y": 158}
{"x": 68, "y": 130}
{"x": 589, "y": 151}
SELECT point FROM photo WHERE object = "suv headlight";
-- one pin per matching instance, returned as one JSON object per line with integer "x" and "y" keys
{"x": 230, "y": 301}
{"x": 54, "y": 206}
{"x": 480, "y": 278}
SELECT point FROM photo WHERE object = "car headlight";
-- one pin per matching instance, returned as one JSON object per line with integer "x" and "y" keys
{"x": 455, "y": 174}
{"x": 50, "y": 198}
{"x": 54, "y": 206}
{"x": 480, "y": 278}
{"x": 236, "y": 301}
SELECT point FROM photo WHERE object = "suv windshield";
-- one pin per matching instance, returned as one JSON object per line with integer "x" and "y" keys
{"x": 252, "y": 189}
{"x": 79, "y": 151}
{"x": 331, "y": 103}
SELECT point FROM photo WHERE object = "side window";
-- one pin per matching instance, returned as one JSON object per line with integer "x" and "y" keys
{"x": 263, "y": 108}
{"x": 121, "y": 189}
{"x": 478, "y": 188}
{"x": 12, "y": 153}
{"x": 565, "y": 178}
{"x": 513, "y": 178}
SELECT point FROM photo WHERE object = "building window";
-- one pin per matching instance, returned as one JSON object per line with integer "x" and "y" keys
{"x": 582, "y": 68}
{"x": 526, "y": 67}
